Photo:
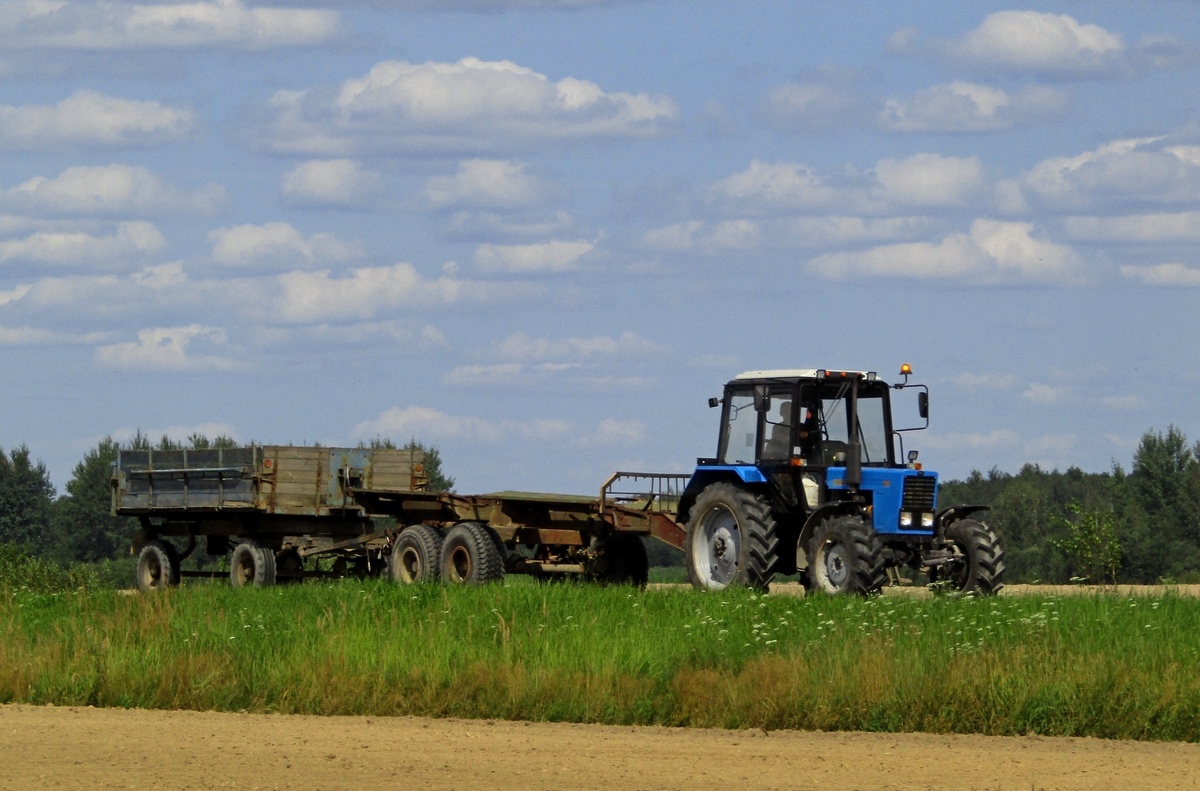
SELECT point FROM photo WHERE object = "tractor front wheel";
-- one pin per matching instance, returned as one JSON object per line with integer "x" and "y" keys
{"x": 731, "y": 539}
{"x": 979, "y": 566}
{"x": 845, "y": 556}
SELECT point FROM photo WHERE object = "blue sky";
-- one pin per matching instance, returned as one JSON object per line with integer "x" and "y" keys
{"x": 540, "y": 233}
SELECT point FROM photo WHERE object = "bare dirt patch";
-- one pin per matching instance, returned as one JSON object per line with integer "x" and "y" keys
{"x": 47, "y": 747}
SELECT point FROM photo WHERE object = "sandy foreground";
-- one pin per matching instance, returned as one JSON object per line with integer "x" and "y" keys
{"x": 86, "y": 748}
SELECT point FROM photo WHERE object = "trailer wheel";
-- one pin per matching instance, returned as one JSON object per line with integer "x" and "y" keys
{"x": 158, "y": 567}
{"x": 846, "y": 556}
{"x": 469, "y": 555}
{"x": 731, "y": 539}
{"x": 416, "y": 555}
{"x": 251, "y": 564}
{"x": 980, "y": 568}
{"x": 624, "y": 562}
{"x": 289, "y": 567}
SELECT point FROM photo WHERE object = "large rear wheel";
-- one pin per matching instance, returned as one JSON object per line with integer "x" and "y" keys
{"x": 416, "y": 554}
{"x": 979, "y": 565}
{"x": 158, "y": 567}
{"x": 731, "y": 539}
{"x": 845, "y": 556}
{"x": 471, "y": 555}
{"x": 624, "y": 562}
{"x": 251, "y": 564}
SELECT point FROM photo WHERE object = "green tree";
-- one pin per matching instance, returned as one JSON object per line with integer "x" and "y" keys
{"x": 1091, "y": 542}
{"x": 26, "y": 500}
{"x": 83, "y": 519}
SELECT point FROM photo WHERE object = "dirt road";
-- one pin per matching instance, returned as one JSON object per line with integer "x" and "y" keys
{"x": 55, "y": 748}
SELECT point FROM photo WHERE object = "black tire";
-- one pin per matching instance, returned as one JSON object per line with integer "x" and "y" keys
{"x": 980, "y": 569}
{"x": 845, "y": 556}
{"x": 469, "y": 556}
{"x": 416, "y": 555}
{"x": 624, "y": 562}
{"x": 731, "y": 539}
{"x": 158, "y": 567}
{"x": 251, "y": 564}
{"x": 289, "y": 567}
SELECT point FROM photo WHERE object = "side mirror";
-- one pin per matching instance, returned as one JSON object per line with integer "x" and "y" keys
{"x": 713, "y": 402}
{"x": 923, "y": 405}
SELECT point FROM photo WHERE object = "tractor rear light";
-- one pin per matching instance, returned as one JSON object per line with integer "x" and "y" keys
{"x": 927, "y": 521}
{"x": 906, "y": 519}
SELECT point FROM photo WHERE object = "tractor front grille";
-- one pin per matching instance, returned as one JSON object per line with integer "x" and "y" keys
{"x": 919, "y": 493}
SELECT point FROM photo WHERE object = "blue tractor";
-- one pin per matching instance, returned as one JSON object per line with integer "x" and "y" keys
{"x": 808, "y": 479}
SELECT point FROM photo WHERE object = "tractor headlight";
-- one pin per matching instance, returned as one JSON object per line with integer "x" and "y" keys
{"x": 905, "y": 519}
{"x": 927, "y": 521}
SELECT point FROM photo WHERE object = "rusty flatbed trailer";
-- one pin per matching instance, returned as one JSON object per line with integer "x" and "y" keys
{"x": 275, "y": 511}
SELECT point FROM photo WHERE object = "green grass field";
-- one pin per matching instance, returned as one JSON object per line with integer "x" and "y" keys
{"x": 1102, "y": 666}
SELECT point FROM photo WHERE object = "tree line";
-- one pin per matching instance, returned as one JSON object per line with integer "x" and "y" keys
{"x": 77, "y": 526}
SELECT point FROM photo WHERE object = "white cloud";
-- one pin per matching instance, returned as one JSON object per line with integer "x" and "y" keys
{"x": 812, "y": 106}
{"x": 930, "y": 179}
{"x": 126, "y": 26}
{"x": 503, "y": 373}
{"x": 520, "y": 346}
{"x": 1000, "y": 438}
{"x": 37, "y": 336}
{"x": 428, "y": 422}
{"x": 970, "y": 107}
{"x": 89, "y": 119}
{"x": 1032, "y": 42}
{"x": 471, "y": 105}
{"x": 487, "y": 183}
{"x": 337, "y": 183}
{"x": 1152, "y": 170}
{"x": 705, "y": 237}
{"x": 993, "y": 252}
{"x": 490, "y": 224}
{"x": 616, "y": 432}
{"x": 1125, "y": 402}
{"x": 1055, "y": 446}
{"x": 524, "y": 259}
{"x": 313, "y": 296}
{"x": 1138, "y": 228}
{"x": 110, "y": 189}
{"x": 277, "y": 242}
{"x": 1041, "y": 393}
{"x": 64, "y": 248}
{"x": 988, "y": 382}
{"x": 778, "y": 185}
{"x": 166, "y": 348}
{"x": 1173, "y": 275}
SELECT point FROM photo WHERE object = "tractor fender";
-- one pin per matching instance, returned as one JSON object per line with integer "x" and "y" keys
{"x": 748, "y": 478}
{"x": 843, "y": 507}
{"x": 950, "y": 515}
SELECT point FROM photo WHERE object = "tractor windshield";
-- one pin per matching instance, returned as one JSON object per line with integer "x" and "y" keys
{"x": 872, "y": 424}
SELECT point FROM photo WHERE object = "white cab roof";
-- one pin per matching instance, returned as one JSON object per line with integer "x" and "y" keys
{"x": 782, "y": 373}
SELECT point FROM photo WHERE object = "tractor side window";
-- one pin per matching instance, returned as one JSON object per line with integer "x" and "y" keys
{"x": 777, "y": 427}
{"x": 872, "y": 431}
{"x": 738, "y": 439}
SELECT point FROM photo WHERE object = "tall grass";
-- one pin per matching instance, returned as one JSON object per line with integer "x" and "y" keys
{"x": 1104, "y": 666}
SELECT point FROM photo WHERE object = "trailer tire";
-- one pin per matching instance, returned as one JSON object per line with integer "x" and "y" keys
{"x": 731, "y": 539}
{"x": 158, "y": 567}
{"x": 845, "y": 556}
{"x": 981, "y": 569}
{"x": 624, "y": 562}
{"x": 289, "y": 567}
{"x": 416, "y": 555}
{"x": 251, "y": 564}
{"x": 470, "y": 556}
